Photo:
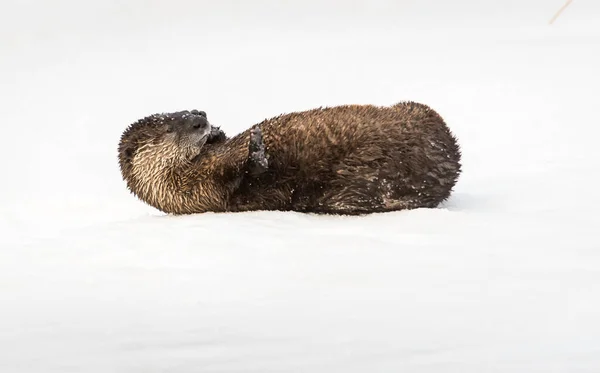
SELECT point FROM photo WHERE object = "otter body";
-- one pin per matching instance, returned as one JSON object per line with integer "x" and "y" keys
{"x": 352, "y": 159}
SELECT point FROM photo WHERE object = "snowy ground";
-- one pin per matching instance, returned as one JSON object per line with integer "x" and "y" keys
{"x": 505, "y": 277}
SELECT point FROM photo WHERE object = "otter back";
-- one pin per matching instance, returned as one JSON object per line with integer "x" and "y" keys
{"x": 353, "y": 159}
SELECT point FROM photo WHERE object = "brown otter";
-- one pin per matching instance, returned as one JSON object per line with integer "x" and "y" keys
{"x": 350, "y": 159}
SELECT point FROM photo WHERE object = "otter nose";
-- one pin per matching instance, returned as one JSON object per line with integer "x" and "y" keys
{"x": 198, "y": 122}
{"x": 199, "y": 112}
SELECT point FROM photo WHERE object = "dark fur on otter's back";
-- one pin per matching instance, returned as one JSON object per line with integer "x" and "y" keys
{"x": 351, "y": 159}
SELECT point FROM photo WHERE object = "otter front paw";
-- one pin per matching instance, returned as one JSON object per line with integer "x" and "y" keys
{"x": 257, "y": 159}
{"x": 215, "y": 135}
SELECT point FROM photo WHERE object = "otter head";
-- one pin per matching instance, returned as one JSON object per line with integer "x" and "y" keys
{"x": 188, "y": 129}
{"x": 155, "y": 151}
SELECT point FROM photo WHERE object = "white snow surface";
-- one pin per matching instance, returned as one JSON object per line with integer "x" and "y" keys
{"x": 504, "y": 277}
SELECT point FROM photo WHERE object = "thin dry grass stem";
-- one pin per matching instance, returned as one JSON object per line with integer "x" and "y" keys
{"x": 560, "y": 11}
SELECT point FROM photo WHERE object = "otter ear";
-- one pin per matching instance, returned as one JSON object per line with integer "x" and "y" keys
{"x": 169, "y": 127}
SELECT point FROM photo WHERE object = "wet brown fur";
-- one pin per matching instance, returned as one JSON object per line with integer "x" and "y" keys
{"x": 351, "y": 159}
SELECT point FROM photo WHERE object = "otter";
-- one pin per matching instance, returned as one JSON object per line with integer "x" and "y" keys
{"x": 343, "y": 160}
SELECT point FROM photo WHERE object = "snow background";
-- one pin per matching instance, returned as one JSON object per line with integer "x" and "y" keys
{"x": 504, "y": 277}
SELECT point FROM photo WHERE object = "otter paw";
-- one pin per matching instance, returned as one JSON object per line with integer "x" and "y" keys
{"x": 258, "y": 162}
{"x": 215, "y": 135}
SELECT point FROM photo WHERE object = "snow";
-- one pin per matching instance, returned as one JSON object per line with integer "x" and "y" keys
{"x": 504, "y": 277}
